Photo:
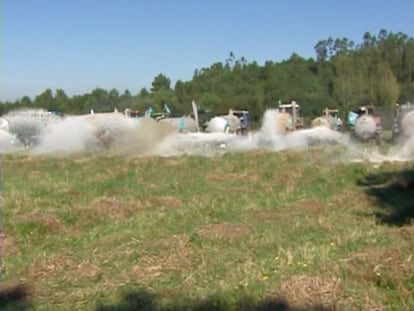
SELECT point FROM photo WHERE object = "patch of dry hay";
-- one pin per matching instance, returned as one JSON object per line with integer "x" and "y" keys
{"x": 305, "y": 291}
{"x": 223, "y": 231}
{"x": 86, "y": 269}
{"x": 166, "y": 202}
{"x": 366, "y": 301}
{"x": 309, "y": 205}
{"x": 222, "y": 177}
{"x": 60, "y": 267}
{"x": 49, "y": 221}
{"x": 288, "y": 210}
{"x": 369, "y": 265}
{"x": 107, "y": 208}
{"x": 350, "y": 199}
{"x": 407, "y": 232}
{"x": 73, "y": 192}
{"x": 173, "y": 254}
{"x": 200, "y": 200}
{"x": 8, "y": 247}
{"x": 381, "y": 267}
{"x": 49, "y": 267}
{"x": 267, "y": 215}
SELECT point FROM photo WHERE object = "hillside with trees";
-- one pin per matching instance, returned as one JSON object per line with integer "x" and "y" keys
{"x": 379, "y": 71}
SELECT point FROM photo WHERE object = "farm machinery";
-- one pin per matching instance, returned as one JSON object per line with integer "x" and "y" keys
{"x": 403, "y": 121}
{"x": 235, "y": 122}
{"x": 184, "y": 124}
{"x": 365, "y": 125}
{"x": 286, "y": 118}
{"x": 330, "y": 119}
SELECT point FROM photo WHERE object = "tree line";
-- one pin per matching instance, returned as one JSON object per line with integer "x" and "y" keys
{"x": 379, "y": 70}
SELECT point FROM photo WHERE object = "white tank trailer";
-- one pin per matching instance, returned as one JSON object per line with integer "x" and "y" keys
{"x": 235, "y": 122}
{"x": 364, "y": 124}
{"x": 223, "y": 124}
{"x": 182, "y": 124}
{"x": 403, "y": 122}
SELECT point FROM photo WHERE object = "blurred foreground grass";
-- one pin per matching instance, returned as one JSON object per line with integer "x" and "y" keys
{"x": 240, "y": 231}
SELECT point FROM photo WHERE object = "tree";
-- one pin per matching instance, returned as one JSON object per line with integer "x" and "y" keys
{"x": 384, "y": 86}
{"x": 62, "y": 101}
{"x": 349, "y": 81}
{"x": 160, "y": 83}
{"x": 166, "y": 97}
{"x": 210, "y": 100}
{"x": 113, "y": 96}
{"x": 143, "y": 93}
{"x": 26, "y": 102}
{"x": 44, "y": 100}
{"x": 321, "y": 50}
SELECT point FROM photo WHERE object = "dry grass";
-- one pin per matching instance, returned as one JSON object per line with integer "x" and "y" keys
{"x": 173, "y": 254}
{"x": 306, "y": 291}
{"x": 218, "y": 176}
{"x": 8, "y": 247}
{"x": 166, "y": 202}
{"x": 49, "y": 268}
{"x": 407, "y": 232}
{"x": 266, "y": 215}
{"x": 86, "y": 228}
{"x": 224, "y": 231}
{"x": 384, "y": 267}
{"x": 48, "y": 220}
{"x": 305, "y": 205}
{"x": 107, "y": 208}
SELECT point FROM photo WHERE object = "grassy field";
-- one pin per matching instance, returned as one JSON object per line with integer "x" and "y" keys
{"x": 251, "y": 231}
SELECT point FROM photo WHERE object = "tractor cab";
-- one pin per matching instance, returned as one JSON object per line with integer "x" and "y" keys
{"x": 294, "y": 110}
{"x": 243, "y": 116}
{"x": 332, "y": 115}
{"x": 369, "y": 109}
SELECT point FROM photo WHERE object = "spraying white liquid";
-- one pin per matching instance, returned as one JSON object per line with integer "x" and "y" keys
{"x": 44, "y": 133}
{"x": 71, "y": 135}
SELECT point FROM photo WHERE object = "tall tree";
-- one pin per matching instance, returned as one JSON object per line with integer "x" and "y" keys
{"x": 160, "y": 83}
{"x": 62, "y": 102}
{"x": 45, "y": 100}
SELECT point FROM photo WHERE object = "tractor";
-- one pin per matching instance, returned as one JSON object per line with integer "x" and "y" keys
{"x": 289, "y": 117}
{"x": 330, "y": 119}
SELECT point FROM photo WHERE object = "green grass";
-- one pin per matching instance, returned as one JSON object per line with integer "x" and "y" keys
{"x": 232, "y": 232}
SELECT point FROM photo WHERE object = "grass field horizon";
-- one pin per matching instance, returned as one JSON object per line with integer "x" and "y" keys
{"x": 259, "y": 230}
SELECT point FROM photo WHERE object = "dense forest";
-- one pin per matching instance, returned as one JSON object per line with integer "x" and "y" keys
{"x": 379, "y": 71}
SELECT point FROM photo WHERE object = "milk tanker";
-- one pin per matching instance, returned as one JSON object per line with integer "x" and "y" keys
{"x": 403, "y": 122}
{"x": 364, "y": 124}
